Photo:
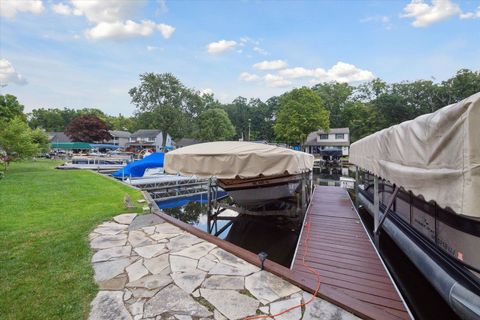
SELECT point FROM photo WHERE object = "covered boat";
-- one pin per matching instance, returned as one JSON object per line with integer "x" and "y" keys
{"x": 136, "y": 169}
{"x": 252, "y": 173}
{"x": 429, "y": 175}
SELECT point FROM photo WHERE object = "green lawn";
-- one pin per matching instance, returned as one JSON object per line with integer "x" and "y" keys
{"x": 45, "y": 218}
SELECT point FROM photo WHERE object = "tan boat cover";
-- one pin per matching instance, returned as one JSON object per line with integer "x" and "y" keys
{"x": 436, "y": 156}
{"x": 232, "y": 159}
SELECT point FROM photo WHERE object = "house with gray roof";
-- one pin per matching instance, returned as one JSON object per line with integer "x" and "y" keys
{"x": 119, "y": 138}
{"x": 57, "y": 137}
{"x": 149, "y": 139}
{"x": 333, "y": 143}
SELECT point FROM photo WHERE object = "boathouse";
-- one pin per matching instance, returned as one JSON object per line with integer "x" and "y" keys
{"x": 334, "y": 143}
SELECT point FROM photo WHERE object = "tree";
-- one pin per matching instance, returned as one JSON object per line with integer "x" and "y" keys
{"x": 18, "y": 141}
{"x": 10, "y": 108}
{"x": 214, "y": 125}
{"x": 88, "y": 128}
{"x": 335, "y": 96}
{"x": 301, "y": 112}
{"x": 164, "y": 103}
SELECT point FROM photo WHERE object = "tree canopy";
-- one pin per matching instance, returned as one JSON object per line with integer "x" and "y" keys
{"x": 10, "y": 108}
{"x": 88, "y": 128}
{"x": 18, "y": 141}
{"x": 214, "y": 125}
{"x": 301, "y": 112}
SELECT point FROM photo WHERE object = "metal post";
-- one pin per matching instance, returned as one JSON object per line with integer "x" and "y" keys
{"x": 376, "y": 207}
{"x": 384, "y": 216}
{"x": 249, "y": 121}
{"x": 356, "y": 186}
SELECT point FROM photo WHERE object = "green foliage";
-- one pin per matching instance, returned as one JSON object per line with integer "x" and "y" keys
{"x": 214, "y": 125}
{"x": 18, "y": 141}
{"x": 261, "y": 115}
{"x": 335, "y": 97}
{"x": 10, "y": 108}
{"x": 45, "y": 257}
{"x": 301, "y": 112}
{"x": 40, "y": 138}
{"x": 164, "y": 103}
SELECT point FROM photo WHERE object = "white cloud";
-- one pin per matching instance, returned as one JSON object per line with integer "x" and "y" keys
{"x": 10, "y": 8}
{"x": 271, "y": 65}
{"x": 276, "y": 81}
{"x": 112, "y": 19}
{"x": 425, "y": 14}
{"x": 245, "y": 76}
{"x": 261, "y": 51}
{"x": 8, "y": 74}
{"x": 98, "y": 11}
{"x": 65, "y": 10}
{"x": 340, "y": 72}
{"x": 298, "y": 72}
{"x": 221, "y": 46}
{"x": 384, "y": 20}
{"x": 127, "y": 29}
{"x": 152, "y": 48}
{"x": 345, "y": 72}
{"x": 471, "y": 15}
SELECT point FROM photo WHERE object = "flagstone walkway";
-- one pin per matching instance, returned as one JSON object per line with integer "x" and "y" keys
{"x": 147, "y": 268}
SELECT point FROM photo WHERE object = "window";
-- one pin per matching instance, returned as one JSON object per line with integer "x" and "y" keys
{"x": 324, "y": 137}
{"x": 339, "y": 136}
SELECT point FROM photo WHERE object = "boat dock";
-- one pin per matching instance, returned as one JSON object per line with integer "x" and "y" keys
{"x": 340, "y": 250}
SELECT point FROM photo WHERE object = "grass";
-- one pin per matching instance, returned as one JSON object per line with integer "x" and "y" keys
{"x": 45, "y": 218}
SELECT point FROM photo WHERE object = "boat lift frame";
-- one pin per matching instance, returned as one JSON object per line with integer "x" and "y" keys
{"x": 215, "y": 208}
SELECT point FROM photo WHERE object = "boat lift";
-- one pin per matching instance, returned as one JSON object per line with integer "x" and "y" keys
{"x": 215, "y": 208}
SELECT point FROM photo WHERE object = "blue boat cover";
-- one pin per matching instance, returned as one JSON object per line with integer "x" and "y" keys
{"x": 137, "y": 168}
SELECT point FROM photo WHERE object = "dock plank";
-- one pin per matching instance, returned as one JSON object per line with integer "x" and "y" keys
{"x": 341, "y": 251}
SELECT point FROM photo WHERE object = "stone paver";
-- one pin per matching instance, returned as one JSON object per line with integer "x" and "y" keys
{"x": 151, "y": 250}
{"x": 109, "y": 305}
{"x": 267, "y": 287}
{"x": 148, "y": 269}
{"x": 189, "y": 280}
{"x": 179, "y": 263}
{"x": 224, "y": 282}
{"x": 108, "y": 241}
{"x": 230, "y": 303}
{"x": 172, "y": 299}
{"x": 136, "y": 270}
{"x": 125, "y": 218}
{"x": 279, "y": 306}
{"x": 111, "y": 253}
{"x": 110, "y": 269}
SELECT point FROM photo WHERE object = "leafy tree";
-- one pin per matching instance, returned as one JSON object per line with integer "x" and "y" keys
{"x": 334, "y": 96}
{"x": 214, "y": 125}
{"x": 164, "y": 103}
{"x": 40, "y": 138}
{"x": 301, "y": 112}
{"x": 10, "y": 108}
{"x": 18, "y": 141}
{"x": 88, "y": 128}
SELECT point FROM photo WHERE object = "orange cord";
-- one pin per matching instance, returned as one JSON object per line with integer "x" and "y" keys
{"x": 308, "y": 267}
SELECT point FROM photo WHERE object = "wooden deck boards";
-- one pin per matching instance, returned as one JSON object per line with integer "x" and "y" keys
{"x": 341, "y": 251}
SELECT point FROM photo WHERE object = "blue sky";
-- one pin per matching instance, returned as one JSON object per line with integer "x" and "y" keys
{"x": 89, "y": 53}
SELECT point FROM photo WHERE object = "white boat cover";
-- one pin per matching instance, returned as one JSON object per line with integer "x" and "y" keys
{"x": 235, "y": 159}
{"x": 436, "y": 156}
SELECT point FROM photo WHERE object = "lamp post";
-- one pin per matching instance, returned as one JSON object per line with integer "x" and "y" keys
{"x": 249, "y": 122}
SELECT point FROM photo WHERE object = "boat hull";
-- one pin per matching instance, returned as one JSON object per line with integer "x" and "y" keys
{"x": 258, "y": 191}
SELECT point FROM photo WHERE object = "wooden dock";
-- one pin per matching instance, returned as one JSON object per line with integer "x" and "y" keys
{"x": 341, "y": 251}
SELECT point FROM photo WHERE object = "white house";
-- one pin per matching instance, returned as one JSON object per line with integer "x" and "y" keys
{"x": 334, "y": 143}
{"x": 149, "y": 139}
